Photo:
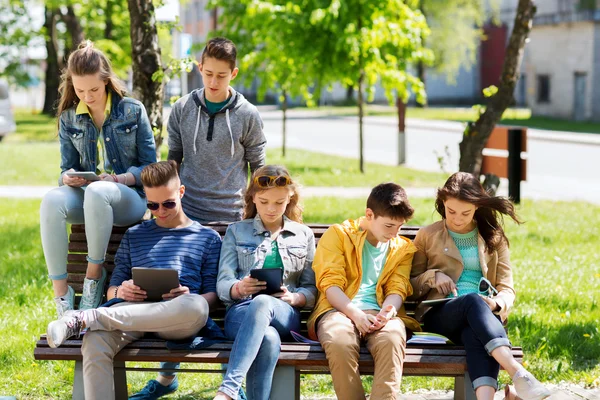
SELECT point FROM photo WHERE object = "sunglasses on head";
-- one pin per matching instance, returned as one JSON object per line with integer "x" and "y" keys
{"x": 267, "y": 181}
{"x": 169, "y": 204}
{"x": 486, "y": 288}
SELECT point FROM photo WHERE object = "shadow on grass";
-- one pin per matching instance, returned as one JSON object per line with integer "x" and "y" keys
{"x": 579, "y": 343}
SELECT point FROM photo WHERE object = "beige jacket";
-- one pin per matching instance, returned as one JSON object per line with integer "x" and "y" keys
{"x": 436, "y": 251}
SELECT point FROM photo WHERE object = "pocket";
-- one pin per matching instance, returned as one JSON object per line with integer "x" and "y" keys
{"x": 247, "y": 258}
{"x": 77, "y": 137}
{"x": 297, "y": 256}
{"x": 127, "y": 137}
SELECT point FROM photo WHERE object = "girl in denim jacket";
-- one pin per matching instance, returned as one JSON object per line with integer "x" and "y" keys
{"x": 270, "y": 236}
{"x": 101, "y": 131}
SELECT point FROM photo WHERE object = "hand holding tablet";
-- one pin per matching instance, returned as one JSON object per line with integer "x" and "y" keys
{"x": 87, "y": 175}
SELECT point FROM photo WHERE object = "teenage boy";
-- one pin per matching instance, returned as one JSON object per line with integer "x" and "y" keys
{"x": 362, "y": 270}
{"x": 171, "y": 240}
{"x": 215, "y": 134}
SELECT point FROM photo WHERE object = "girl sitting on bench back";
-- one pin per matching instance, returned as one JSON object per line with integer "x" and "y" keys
{"x": 108, "y": 136}
{"x": 465, "y": 257}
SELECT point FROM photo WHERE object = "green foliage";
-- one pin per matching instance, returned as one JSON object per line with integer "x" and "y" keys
{"x": 456, "y": 31}
{"x": 16, "y": 34}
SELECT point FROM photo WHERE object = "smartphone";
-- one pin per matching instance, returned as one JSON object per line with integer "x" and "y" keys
{"x": 273, "y": 277}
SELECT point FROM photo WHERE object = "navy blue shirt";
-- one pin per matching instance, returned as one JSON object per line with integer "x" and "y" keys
{"x": 193, "y": 251}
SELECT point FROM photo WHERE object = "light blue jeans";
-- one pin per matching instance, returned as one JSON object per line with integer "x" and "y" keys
{"x": 265, "y": 320}
{"x": 100, "y": 205}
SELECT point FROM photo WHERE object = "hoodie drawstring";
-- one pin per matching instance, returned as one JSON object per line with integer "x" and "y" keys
{"x": 230, "y": 132}
{"x": 197, "y": 128}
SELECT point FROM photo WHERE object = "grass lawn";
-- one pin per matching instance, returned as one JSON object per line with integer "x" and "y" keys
{"x": 555, "y": 319}
{"x": 31, "y": 156}
{"x": 512, "y": 116}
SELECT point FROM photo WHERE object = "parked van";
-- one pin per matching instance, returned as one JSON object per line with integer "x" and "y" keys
{"x": 7, "y": 120}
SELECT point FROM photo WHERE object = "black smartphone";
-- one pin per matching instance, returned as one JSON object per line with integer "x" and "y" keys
{"x": 273, "y": 277}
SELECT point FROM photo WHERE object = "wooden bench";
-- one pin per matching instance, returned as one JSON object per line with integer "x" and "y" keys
{"x": 295, "y": 358}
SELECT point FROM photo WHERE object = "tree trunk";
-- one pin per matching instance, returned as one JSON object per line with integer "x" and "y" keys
{"x": 53, "y": 63}
{"x": 477, "y": 134}
{"x": 145, "y": 56}
{"x": 108, "y": 22}
{"x": 401, "y": 107}
{"x": 284, "y": 107}
{"x": 349, "y": 94}
{"x": 421, "y": 74}
{"x": 361, "y": 78}
{"x": 74, "y": 28}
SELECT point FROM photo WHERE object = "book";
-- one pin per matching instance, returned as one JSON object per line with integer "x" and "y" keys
{"x": 428, "y": 338}
{"x": 302, "y": 339}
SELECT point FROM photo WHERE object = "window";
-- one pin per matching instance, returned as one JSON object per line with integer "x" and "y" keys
{"x": 543, "y": 89}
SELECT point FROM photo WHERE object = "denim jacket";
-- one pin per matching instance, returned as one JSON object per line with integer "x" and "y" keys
{"x": 245, "y": 246}
{"x": 127, "y": 134}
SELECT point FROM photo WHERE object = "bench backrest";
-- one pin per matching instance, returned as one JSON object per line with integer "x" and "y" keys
{"x": 77, "y": 263}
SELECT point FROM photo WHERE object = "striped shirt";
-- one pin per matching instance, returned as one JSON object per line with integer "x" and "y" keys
{"x": 193, "y": 251}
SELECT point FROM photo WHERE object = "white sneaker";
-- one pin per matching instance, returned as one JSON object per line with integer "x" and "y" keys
{"x": 529, "y": 388}
{"x": 93, "y": 291}
{"x": 64, "y": 328}
{"x": 65, "y": 303}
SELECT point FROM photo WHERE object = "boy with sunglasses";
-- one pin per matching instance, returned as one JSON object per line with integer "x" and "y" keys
{"x": 215, "y": 134}
{"x": 362, "y": 270}
{"x": 171, "y": 240}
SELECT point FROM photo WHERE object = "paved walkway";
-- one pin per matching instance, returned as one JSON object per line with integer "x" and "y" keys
{"x": 564, "y": 391}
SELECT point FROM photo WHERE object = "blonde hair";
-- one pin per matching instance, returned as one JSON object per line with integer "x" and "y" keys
{"x": 86, "y": 60}
{"x": 293, "y": 210}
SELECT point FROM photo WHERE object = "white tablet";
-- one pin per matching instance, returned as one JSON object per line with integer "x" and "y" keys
{"x": 437, "y": 301}
{"x": 87, "y": 175}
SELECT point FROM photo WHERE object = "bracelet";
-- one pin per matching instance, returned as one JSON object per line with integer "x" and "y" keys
{"x": 237, "y": 289}
{"x": 116, "y": 291}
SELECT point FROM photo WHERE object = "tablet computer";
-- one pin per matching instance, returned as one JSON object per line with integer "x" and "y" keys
{"x": 87, "y": 175}
{"x": 273, "y": 277}
{"x": 155, "y": 281}
{"x": 437, "y": 301}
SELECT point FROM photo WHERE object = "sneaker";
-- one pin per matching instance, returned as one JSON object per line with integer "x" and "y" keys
{"x": 65, "y": 303}
{"x": 529, "y": 388}
{"x": 93, "y": 290}
{"x": 154, "y": 390}
{"x": 64, "y": 328}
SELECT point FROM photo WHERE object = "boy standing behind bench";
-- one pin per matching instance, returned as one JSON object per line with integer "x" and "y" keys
{"x": 362, "y": 270}
{"x": 172, "y": 240}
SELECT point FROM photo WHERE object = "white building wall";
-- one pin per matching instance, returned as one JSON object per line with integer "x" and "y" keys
{"x": 559, "y": 51}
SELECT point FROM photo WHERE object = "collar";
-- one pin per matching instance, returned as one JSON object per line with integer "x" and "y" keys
{"x": 288, "y": 226}
{"x": 82, "y": 108}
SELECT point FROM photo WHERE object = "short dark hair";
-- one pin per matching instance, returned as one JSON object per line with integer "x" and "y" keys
{"x": 390, "y": 200}
{"x": 222, "y": 49}
{"x": 159, "y": 173}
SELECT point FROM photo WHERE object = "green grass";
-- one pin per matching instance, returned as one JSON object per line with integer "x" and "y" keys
{"x": 512, "y": 116}
{"x": 555, "y": 319}
{"x": 32, "y": 157}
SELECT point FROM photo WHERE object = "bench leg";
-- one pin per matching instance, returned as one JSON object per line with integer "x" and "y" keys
{"x": 120, "y": 378}
{"x": 78, "y": 393}
{"x": 286, "y": 383}
{"x": 463, "y": 388}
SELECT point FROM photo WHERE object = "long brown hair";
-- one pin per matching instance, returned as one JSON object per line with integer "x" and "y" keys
{"x": 293, "y": 210}
{"x": 86, "y": 60}
{"x": 490, "y": 209}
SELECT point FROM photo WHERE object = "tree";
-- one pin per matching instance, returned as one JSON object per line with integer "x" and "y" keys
{"x": 279, "y": 62}
{"x": 146, "y": 64}
{"x": 373, "y": 41}
{"x": 16, "y": 33}
{"x": 477, "y": 134}
{"x": 53, "y": 61}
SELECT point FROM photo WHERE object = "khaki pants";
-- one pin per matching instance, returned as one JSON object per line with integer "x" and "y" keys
{"x": 341, "y": 342}
{"x": 112, "y": 328}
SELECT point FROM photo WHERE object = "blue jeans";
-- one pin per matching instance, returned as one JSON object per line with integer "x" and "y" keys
{"x": 468, "y": 320}
{"x": 265, "y": 320}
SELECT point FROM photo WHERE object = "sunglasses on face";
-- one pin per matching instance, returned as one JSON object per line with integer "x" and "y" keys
{"x": 486, "y": 288}
{"x": 267, "y": 181}
{"x": 169, "y": 204}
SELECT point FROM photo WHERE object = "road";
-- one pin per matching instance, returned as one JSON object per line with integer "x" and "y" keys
{"x": 561, "y": 165}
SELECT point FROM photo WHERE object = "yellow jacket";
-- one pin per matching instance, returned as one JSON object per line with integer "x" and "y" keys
{"x": 338, "y": 262}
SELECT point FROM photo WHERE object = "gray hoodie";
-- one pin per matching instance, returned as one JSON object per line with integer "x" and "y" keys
{"x": 216, "y": 151}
